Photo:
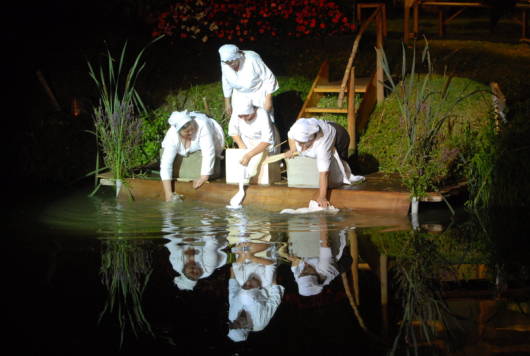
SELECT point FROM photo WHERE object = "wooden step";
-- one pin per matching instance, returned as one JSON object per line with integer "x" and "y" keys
{"x": 327, "y": 110}
{"x": 361, "y": 84}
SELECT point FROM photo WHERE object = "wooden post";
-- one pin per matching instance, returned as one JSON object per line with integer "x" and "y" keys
{"x": 354, "y": 251}
{"x": 351, "y": 113}
{"x": 383, "y": 280}
{"x": 416, "y": 27}
{"x": 48, "y": 90}
{"x": 379, "y": 70}
{"x": 441, "y": 20}
{"x": 524, "y": 24}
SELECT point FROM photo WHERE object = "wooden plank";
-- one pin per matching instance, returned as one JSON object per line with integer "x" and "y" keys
{"x": 322, "y": 77}
{"x": 351, "y": 113}
{"x": 367, "y": 105}
{"x": 326, "y": 110}
{"x": 361, "y": 83}
{"x": 276, "y": 197}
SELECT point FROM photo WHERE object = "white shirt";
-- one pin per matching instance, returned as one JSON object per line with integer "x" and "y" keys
{"x": 325, "y": 265}
{"x": 261, "y": 129}
{"x": 322, "y": 148}
{"x": 210, "y": 256}
{"x": 252, "y": 76}
{"x": 209, "y": 139}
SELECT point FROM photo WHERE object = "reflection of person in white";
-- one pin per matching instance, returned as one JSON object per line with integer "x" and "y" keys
{"x": 327, "y": 142}
{"x": 251, "y": 307}
{"x": 251, "y": 128}
{"x": 245, "y": 74}
{"x": 190, "y": 132}
{"x": 194, "y": 261}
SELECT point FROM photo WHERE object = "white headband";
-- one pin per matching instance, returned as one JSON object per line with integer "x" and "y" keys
{"x": 179, "y": 119}
{"x": 303, "y": 129}
{"x": 229, "y": 52}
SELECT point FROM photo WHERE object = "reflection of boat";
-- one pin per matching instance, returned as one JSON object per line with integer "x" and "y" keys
{"x": 379, "y": 193}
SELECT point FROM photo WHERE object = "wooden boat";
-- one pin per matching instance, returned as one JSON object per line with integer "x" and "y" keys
{"x": 380, "y": 193}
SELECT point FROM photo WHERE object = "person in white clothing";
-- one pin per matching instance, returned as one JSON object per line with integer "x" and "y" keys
{"x": 195, "y": 260}
{"x": 251, "y": 309}
{"x": 190, "y": 132}
{"x": 250, "y": 127}
{"x": 245, "y": 74}
{"x": 328, "y": 143}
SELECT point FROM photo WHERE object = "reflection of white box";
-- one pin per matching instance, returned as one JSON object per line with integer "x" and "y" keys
{"x": 266, "y": 173}
{"x": 302, "y": 172}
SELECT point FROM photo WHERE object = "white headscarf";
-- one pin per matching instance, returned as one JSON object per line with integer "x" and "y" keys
{"x": 229, "y": 52}
{"x": 184, "y": 283}
{"x": 308, "y": 285}
{"x": 238, "y": 335}
{"x": 243, "y": 105}
{"x": 303, "y": 129}
{"x": 179, "y": 119}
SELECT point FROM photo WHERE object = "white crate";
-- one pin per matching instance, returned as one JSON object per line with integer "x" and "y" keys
{"x": 302, "y": 172}
{"x": 266, "y": 173}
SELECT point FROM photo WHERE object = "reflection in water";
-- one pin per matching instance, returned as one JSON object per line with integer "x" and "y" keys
{"x": 314, "y": 254}
{"x": 126, "y": 268}
{"x": 248, "y": 276}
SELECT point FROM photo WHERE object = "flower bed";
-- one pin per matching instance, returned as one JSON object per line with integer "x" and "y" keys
{"x": 251, "y": 20}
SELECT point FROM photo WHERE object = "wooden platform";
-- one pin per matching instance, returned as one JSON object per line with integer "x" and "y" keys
{"x": 379, "y": 194}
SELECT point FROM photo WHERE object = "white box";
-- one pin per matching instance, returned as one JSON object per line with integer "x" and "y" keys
{"x": 302, "y": 172}
{"x": 266, "y": 173}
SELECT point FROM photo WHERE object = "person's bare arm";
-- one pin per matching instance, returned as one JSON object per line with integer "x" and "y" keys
{"x": 239, "y": 141}
{"x": 292, "y": 148}
{"x": 166, "y": 184}
{"x": 262, "y": 146}
{"x": 323, "y": 190}
{"x": 228, "y": 107}
{"x": 267, "y": 102}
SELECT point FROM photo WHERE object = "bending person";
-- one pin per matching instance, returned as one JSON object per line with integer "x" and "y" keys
{"x": 245, "y": 74}
{"x": 251, "y": 128}
{"x": 190, "y": 132}
{"x": 327, "y": 142}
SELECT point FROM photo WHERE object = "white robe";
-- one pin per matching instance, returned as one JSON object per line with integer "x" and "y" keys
{"x": 253, "y": 79}
{"x": 261, "y": 310}
{"x": 265, "y": 273}
{"x": 261, "y": 129}
{"x": 325, "y": 265}
{"x": 209, "y": 139}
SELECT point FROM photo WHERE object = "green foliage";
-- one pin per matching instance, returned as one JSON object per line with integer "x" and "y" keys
{"x": 118, "y": 114}
{"x": 423, "y": 127}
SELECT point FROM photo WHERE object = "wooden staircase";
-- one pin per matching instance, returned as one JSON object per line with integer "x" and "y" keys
{"x": 370, "y": 88}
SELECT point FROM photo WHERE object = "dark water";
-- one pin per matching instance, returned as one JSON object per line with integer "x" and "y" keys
{"x": 96, "y": 276}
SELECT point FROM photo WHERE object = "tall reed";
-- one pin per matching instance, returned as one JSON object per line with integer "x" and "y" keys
{"x": 118, "y": 113}
{"x": 426, "y": 117}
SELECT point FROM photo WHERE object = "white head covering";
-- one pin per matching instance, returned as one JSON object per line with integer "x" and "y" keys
{"x": 179, "y": 119}
{"x": 308, "y": 285}
{"x": 238, "y": 335}
{"x": 243, "y": 105}
{"x": 303, "y": 129}
{"x": 229, "y": 52}
{"x": 184, "y": 283}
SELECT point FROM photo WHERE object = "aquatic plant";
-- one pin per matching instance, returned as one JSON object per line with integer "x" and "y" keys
{"x": 125, "y": 271}
{"x": 417, "y": 130}
{"x": 118, "y": 113}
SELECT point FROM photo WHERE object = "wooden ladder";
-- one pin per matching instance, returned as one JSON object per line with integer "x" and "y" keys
{"x": 371, "y": 87}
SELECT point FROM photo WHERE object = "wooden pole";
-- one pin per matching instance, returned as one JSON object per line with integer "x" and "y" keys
{"x": 383, "y": 279}
{"x": 441, "y": 22}
{"x": 346, "y": 75}
{"x": 354, "y": 251}
{"x": 416, "y": 14}
{"x": 379, "y": 45}
{"x": 48, "y": 90}
{"x": 351, "y": 113}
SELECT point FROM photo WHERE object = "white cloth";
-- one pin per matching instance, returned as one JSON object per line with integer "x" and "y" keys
{"x": 261, "y": 129}
{"x": 265, "y": 273}
{"x": 313, "y": 207}
{"x": 253, "y": 79}
{"x": 210, "y": 256}
{"x": 325, "y": 265}
{"x": 209, "y": 139}
{"x": 259, "y": 303}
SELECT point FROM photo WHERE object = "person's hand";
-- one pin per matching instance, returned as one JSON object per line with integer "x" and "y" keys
{"x": 228, "y": 109}
{"x": 245, "y": 159}
{"x": 290, "y": 154}
{"x": 197, "y": 183}
{"x": 323, "y": 202}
